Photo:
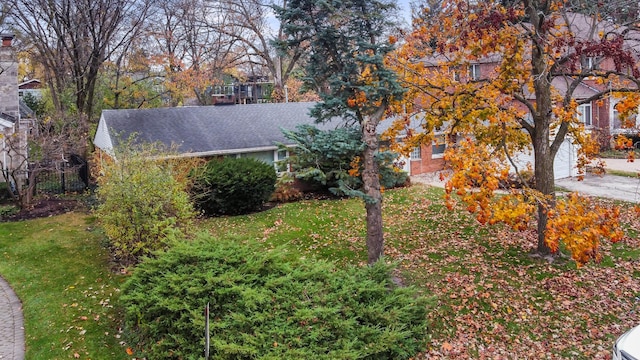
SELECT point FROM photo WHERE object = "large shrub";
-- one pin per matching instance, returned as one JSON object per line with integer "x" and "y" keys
{"x": 265, "y": 307}
{"x": 233, "y": 185}
{"x": 331, "y": 160}
{"x": 143, "y": 205}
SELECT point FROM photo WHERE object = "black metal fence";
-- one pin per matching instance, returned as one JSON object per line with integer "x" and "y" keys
{"x": 61, "y": 177}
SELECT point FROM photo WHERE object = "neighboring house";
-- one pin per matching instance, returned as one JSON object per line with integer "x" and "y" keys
{"x": 426, "y": 158}
{"x": 14, "y": 115}
{"x": 600, "y": 117}
{"x": 33, "y": 87}
{"x": 255, "y": 90}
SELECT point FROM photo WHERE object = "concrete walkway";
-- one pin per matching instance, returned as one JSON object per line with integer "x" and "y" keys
{"x": 11, "y": 324}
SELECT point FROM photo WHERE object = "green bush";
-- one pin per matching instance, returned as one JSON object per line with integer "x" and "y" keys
{"x": 143, "y": 205}
{"x": 331, "y": 160}
{"x": 8, "y": 210}
{"x": 232, "y": 186}
{"x": 4, "y": 191}
{"x": 265, "y": 307}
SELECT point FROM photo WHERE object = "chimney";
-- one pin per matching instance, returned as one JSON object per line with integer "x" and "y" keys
{"x": 9, "y": 103}
{"x": 6, "y": 40}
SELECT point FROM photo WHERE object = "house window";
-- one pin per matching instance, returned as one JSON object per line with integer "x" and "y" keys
{"x": 617, "y": 121}
{"x": 528, "y": 118}
{"x": 438, "y": 147}
{"x": 455, "y": 73}
{"x": 416, "y": 153}
{"x": 589, "y": 63}
{"x": 280, "y": 156}
{"x": 474, "y": 72}
{"x": 584, "y": 114}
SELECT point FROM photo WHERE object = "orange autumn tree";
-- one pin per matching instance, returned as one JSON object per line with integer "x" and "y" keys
{"x": 503, "y": 81}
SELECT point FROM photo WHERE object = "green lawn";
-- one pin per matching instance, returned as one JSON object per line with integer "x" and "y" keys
{"x": 494, "y": 300}
{"x": 60, "y": 271}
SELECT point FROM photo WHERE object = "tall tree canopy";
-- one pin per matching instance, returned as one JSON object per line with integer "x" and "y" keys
{"x": 511, "y": 79}
{"x": 191, "y": 42}
{"x": 252, "y": 25}
{"x": 73, "y": 38}
{"x": 347, "y": 47}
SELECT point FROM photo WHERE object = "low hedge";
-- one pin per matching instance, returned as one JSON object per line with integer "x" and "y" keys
{"x": 264, "y": 306}
{"x": 233, "y": 186}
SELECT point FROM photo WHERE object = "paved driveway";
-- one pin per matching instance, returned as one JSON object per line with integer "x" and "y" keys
{"x": 606, "y": 186}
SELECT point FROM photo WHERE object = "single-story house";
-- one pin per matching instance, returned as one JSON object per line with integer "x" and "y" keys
{"x": 252, "y": 130}
{"x": 206, "y": 131}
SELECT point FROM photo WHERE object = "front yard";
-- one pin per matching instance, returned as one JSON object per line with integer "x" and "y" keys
{"x": 493, "y": 299}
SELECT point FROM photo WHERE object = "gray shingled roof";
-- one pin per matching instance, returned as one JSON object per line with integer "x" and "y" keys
{"x": 209, "y": 130}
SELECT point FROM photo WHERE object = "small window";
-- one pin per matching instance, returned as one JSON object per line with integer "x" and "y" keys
{"x": 584, "y": 114}
{"x": 280, "y": 164}
{"x": 474, "y": 72}
{"x": 281, "y": 155}
{"x": 528, "y": 118}
{"x": 455, "y": 73}
{"x": 589, "y": 63}
{"x": 438, "y": 147}
{"x": 416, "y": 153}
{"x": 617, "y": 121}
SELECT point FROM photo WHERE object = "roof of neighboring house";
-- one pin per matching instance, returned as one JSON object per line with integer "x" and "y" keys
{"x": 206, "y": 130}
{"x": 30, "y": 84}
{"x": 561, "y": 85}
{"x": 25, "y": 110}
{"x": 6, "y": 120}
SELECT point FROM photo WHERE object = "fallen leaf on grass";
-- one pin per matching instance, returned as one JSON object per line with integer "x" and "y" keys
{"x": 446, "y": 347}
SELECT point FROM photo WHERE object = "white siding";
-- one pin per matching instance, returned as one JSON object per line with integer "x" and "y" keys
{"x": 565, "y": 164}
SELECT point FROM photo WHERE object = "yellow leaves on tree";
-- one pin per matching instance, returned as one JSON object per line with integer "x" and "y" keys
{"x": 475, "y": 178}
{"x": 504, "y": 80}
{"x": 358, "y": 99}
{"x": 368, "y": 78}
{"x": 355, "y": 166}
{"x": 580, "y": 225}
{"x": 624, "y": 143}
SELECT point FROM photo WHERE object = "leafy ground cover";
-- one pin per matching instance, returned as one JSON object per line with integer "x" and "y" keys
{"x": 494, "y": 300}
{"x": 60, "y": 271}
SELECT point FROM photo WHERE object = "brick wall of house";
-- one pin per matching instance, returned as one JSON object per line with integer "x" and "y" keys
{"x": 426, "y": 163}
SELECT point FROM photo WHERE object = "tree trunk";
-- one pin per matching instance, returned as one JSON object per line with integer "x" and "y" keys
{"x": 545, "y": 183}
{"x": 540, "y": 135}
{"x": 371, "y": 180}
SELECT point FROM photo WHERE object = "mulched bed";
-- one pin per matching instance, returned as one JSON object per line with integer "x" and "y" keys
{"x": 44, "y": 208}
